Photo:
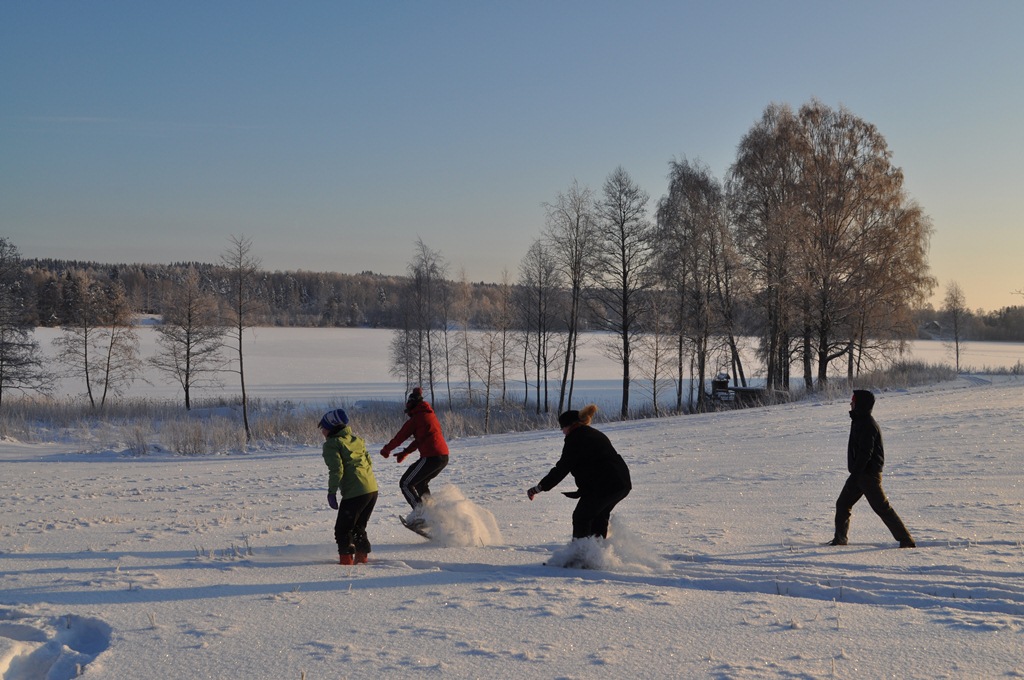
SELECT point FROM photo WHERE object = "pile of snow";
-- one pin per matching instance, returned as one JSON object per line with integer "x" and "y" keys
{"x": 623, "y": 551}
{"x": 455, "y": 521}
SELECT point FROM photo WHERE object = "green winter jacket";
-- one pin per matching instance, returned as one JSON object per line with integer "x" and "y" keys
{"x": 350, "y": 466}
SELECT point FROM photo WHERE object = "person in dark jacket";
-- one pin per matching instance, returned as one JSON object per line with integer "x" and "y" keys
{"x": 865, "y": 457}
{"x": 425, "y": 430}
{"x": 350, "y": 472}
{"x": 602, "y": 476}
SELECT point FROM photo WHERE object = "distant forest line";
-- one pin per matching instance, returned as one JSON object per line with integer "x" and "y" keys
{"x": 367, "y": 299}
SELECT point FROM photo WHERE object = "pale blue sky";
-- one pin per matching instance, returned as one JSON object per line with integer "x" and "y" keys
{"x": 335, "y": 134}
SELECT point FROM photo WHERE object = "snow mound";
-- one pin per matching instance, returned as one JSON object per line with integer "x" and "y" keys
{"x": 623, "y": 550}
{"x": 457, "y": 522}
{"x": 55, "y": 648}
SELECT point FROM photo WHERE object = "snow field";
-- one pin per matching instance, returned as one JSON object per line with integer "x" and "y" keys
{"x": 115, "y": 566}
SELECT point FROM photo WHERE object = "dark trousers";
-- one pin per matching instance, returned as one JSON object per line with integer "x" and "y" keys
{"x": 415, "y": 483}
{"x": 592, "y": 513}
{"x": 350, "y": 527}
{"x": 869, "y": 485}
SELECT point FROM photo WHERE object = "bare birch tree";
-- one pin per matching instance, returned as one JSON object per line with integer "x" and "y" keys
{"x": 121, "y": 363}
{"x": 691, "y": 225}
{"x": 572, "y": 238}
{"x": 463, "y": 317}
{"x": 450, "y": 346}
{"x": 427, "y": 295}
{"x": 655, "y": 348}
{"x": 764, "y": 199}
{"x": 191, "y": 337}
{"x": 243, "y": 271}
{"x": 852, "y": 196}
{"x": 893, "y": 282}
{"x": 486, "y": 349}
{"x": 538, "y": 280}
{"x": 954, "y": 307}
{"x": 504, "y": 322}
{"x": 78, "y": 346}
{"x": 622, "y": 271}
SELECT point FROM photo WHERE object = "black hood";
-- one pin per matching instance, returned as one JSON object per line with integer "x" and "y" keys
{"x": 863, "y": 402}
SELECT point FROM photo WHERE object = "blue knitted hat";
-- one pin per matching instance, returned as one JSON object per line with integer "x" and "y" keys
{"x": 333, "y": 419}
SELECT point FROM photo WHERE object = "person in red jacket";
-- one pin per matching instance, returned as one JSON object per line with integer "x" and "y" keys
{"x": 425, "y": 430}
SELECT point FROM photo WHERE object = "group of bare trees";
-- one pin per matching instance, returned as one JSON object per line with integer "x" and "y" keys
{"x": 810, "y": 243}
{"x": 99, "y": 342}
{"x": 437, "y": 344}
{"x": 810, "y": 240}
{"x": 588, "y": 270}
{"x": 100, "y": 346}
{"x": 836, "y": 250}
{"x": 196, "y": 331}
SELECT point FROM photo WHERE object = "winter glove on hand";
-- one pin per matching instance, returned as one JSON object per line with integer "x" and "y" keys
{"x": 533, "y": 491}
{"x": 384, "y": 452}
{"x": 332, "y": 500}
{"x": 401, "y": 456}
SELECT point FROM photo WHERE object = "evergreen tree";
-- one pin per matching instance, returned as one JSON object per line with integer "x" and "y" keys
{"x": 21, "y": 363}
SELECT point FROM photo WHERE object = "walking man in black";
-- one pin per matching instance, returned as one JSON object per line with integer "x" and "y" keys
{"x": 865, "y": 458}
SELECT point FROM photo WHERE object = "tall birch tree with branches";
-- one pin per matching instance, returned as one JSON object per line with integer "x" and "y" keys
{"x": 242, "y": 270}
{"x": 853, "y": 199}
{"x": 191, "y": 337}
{"x": 764, "y": 205}
{"x": 691, "y": 234}
{"x": 538, "y": 291}
{"x": 422, "y": 319}
{"x": 622, "y": 271}
{"x": 572, "y": 238}
{"x": 954, "y": 307}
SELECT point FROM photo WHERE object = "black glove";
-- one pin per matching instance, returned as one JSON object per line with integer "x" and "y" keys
{"x": 332, "y": 500}
{"x": 533, "y": 491}
{"x": 572, "y": 494}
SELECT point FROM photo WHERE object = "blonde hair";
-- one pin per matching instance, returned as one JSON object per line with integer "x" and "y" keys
{"x": 587, "y": 413}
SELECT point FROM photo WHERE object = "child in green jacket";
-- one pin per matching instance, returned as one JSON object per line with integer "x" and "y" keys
{"x": 351, "y": 472}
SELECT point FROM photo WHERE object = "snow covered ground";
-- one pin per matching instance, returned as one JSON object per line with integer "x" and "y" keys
{"x": 224, "y": 566}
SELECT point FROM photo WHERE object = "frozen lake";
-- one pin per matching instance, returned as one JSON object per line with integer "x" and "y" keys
{"x": 328, "y": 365}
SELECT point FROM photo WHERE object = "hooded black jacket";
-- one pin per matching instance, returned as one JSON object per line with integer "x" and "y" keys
{"x": 864, "y": 452}
{"x": 594, "y": 463}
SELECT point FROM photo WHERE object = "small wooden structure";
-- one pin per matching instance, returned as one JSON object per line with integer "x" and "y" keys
{"x": 720, "y": 388}
{"x": 724, "y": 394}
{"x": 749, "y": 396}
